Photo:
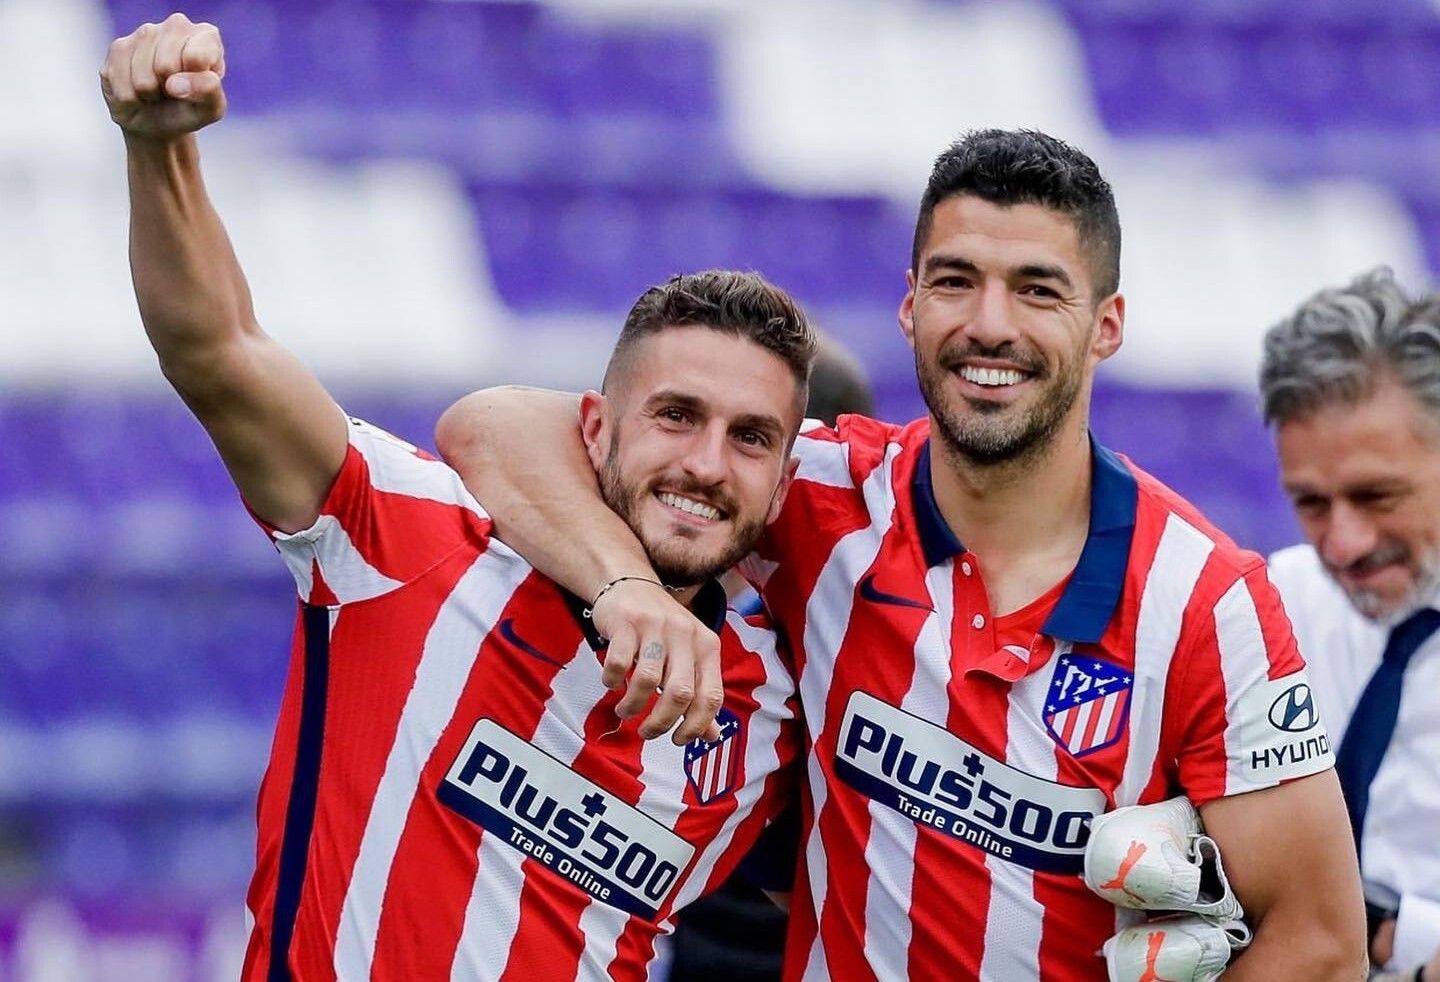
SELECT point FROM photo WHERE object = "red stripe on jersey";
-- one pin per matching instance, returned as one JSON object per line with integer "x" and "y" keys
{"x": 1280, "y": 642}
{"x": 320, "y": 593}
{"x": 425, "y": 896}
{"x": 375, "y": 651}
{"x": 399, "y": 533}
{"x": 273, "y": 799}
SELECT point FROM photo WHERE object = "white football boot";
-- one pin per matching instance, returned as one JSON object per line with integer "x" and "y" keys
{"x": 1186, "y": 948}
{"x": 1158, "y": 857}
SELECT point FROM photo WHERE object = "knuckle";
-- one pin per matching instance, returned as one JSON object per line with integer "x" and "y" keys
{"x": 682, "y": 693}
{"x": 712, "y": 699}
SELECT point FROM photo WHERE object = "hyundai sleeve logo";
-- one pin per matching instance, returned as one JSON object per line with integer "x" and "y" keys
{"x": 1294, "y": 711}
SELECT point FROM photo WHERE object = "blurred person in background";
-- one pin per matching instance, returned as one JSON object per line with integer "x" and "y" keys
{"x": 737, "y": 933}
{"x": 450, "y": 793}
{"x": 1003, "y": 630}
{"x": 1351, "y": 384}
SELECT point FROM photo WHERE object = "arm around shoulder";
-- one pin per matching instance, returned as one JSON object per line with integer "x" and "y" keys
{"x": 520, "y": 453}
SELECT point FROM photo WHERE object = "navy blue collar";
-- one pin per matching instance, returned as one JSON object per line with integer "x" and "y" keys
{"x": 709, "y": 606}
{"x": 1084, "y": 610}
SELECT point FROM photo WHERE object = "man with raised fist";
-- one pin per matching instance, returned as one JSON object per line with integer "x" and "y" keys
{"x": 454, "y": 792}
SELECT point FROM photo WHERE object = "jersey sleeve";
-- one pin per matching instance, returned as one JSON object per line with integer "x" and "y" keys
{"x": 1245, "y": 707}
{"x": 393, "y": 513}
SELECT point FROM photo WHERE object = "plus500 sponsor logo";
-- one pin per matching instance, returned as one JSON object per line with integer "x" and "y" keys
{"x": 934, "y": 778}
{"x": 536, "y": 804}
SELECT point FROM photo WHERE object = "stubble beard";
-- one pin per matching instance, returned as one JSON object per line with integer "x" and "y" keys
{"x": 994, "y": 434}
{"x": 673, "y": 563}
{"x": 1387, "y": 614}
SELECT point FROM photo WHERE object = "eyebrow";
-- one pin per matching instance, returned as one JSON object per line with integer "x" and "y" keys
{"x": 764, "y": 422}
{"x": 1039, "y": 271}
{"x": 1029, "y": 271}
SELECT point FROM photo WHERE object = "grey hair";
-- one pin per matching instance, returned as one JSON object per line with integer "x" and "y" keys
{"x": 1343, "y": 343}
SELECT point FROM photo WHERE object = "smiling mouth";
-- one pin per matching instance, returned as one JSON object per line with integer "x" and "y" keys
{"x": 992, "y": 377}
{"x": 690, "y": 506}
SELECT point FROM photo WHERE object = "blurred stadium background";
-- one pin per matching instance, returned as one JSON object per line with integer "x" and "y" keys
{"x": 433, "y": 195}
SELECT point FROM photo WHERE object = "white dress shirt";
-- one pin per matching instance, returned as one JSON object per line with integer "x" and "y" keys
{"x": 1400, "y": 848}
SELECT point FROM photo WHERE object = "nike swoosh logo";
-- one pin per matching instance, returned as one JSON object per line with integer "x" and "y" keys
{"x": 507, "y": 631}
{"x": 870, "y": 592}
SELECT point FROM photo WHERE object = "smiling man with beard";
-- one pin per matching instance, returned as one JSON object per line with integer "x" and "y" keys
{"x": 1351, "y": 384}
{"x": 1003, "y": 630}
{"x": 450, "y": 795}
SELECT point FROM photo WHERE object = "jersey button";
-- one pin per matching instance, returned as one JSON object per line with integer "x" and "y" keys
{"x": 978, "y": 621}
{"x": 965, "y": 568}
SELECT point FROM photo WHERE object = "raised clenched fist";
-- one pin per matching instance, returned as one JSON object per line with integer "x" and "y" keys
{"x": 164, "y": 80}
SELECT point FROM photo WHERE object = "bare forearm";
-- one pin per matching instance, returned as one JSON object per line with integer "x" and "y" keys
{"x": 1302, "y": 952}
{"x": 1305, "y": 898}
{"x": 520, "y": 453}
{"x": 192, "y": 294}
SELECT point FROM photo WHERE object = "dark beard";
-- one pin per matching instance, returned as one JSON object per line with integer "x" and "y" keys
{"x": 674, "y": 567}
{"x": 989, "y": 444}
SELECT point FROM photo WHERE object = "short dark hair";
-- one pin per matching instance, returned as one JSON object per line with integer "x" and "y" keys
{"x": 1343, "y": 343}
{"x": 741, "y": 304}
{"x": 1027, "y": 167}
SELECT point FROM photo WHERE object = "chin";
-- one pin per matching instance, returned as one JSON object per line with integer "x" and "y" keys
{"x": 683, "y": 566}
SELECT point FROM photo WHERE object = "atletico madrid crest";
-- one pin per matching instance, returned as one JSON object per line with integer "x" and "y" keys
{"x": 1088, "y": 703}
{"x": 711, "y": 767}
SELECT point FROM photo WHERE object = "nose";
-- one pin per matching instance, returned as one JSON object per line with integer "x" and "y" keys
{"x": 1346, "y": 536}
{"x": 705, "y": 456}
{"x": 992, "y": 322}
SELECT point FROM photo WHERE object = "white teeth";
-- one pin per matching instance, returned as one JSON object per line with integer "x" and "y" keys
{"x": 696, "y": 508}
{"x": 991, "y": 376}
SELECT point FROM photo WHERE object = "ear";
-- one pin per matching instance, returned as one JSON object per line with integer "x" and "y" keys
{"x": 1109, "y": 328}
{"x": 907, "y": 310}
{"x": 777, "y": 501}
{"x": 596, "y": 426}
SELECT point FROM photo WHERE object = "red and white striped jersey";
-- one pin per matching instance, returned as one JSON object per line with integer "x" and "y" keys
{"x": 956, "y": 759}
{"x": 450, "y": 794}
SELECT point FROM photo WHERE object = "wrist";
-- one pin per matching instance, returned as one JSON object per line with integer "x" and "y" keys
{"x": 611, "y": 584}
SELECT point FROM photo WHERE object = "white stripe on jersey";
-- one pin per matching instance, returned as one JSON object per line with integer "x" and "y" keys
{"x": 890, "y": 850}
{"x": 500, "y": 871}
{"x": 816, "y": 869}
{"x": 600, "y": 925}
{"x": 328, "y": 544}
{"x": 1014, "y": 919}
{"x": 450, "y": 645}
{"x": 406, "y": 473}
{"x": 1238, "y": 635}
{"x": 484, "y": 945}
{"x": 826, "y": 463}
{"x": 834, "y": 594}
{"x": 760, "y": 753}
{"x": 1169, "y": 585}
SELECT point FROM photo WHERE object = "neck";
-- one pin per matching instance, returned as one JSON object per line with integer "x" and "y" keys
{"x": 1034, "y": 507}
{"x": 686, "y": 595}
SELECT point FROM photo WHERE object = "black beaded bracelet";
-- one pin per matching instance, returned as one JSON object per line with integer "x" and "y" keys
{"x": 619, "y": 579}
